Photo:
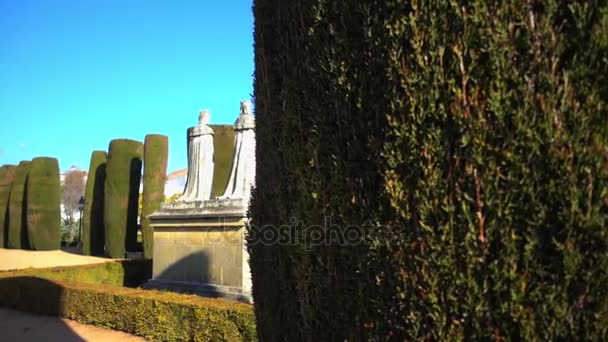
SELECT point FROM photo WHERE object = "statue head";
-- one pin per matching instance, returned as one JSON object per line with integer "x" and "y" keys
{"x": 204, "y": 117}
{"x": 245, "y": 107}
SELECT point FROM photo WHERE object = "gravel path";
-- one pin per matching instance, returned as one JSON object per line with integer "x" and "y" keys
{"x": 23, "y": 327}
{"x": 13, "y": 259}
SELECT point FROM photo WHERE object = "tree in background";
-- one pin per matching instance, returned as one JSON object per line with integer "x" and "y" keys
{"x": 71, "y": 191}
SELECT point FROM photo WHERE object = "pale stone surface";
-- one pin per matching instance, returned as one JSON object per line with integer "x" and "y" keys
{"x": 15, "y": 259}
{"x": 200, "y": 247}
{"x": 200, "y": 160}
{"x": 242, "y": 174}
{"x": 199, "y": 243}
{"x": 206, "y": 253}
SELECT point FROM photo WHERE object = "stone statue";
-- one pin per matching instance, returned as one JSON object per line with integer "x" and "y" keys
{"x": 242, "y": 174}
{"x": 200, "y": 160}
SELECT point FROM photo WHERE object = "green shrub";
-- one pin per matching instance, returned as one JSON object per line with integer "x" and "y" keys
{"x": 114, "y": 272}
{"x": 223, "y": 147}
{"x": 93, "y": 228}
{"x": 7, "y": 175}
{"x": 44, "y": 204}
{"x": 17, "y": 209}
{"x": 123, "y": 174}
{"x": 465, "y": 140}
{"x": 156, "y": 153}
{"x": 69, "y": 233}
{"x": 158, "y": 316}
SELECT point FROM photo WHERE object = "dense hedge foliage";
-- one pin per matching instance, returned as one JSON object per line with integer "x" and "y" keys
{"x": 7, "y": 176}
{"x": 17, "y": 209}
{"x": 156, "y": 155}
{"x": 44, "y": 204}
{"x": 465, "y": 140}
{"x": 223, "y": 147}
{"x": 93, "y": 228}
{"x": 157, "y": 316}
{"x": 121, "y": 195}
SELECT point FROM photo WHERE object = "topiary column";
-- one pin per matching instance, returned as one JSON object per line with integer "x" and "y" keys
{"x": 17, "y": 205}
{"x": 121, "y": 191}
{"x": 93, "y": 229}
{"x": 7, "y": 175}
{"x": 155, "y": 172}
{"x": 44, "y": 204}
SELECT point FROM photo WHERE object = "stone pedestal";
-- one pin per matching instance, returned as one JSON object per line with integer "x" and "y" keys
{"x": 199, "y": 247}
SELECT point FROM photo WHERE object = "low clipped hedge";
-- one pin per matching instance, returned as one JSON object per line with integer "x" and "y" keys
{"x": 116, "y": 272}
{"x": 155, "y": 315}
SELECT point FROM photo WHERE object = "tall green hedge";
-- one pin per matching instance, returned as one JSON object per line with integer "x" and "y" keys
{"x": 123, "y": 175}
{"x": 7, "y": 176}
{"x": 156, "y": 154}
{"x": 223, "y": 148}
{"x": 43, "y": 193}
{"x": 17, "y": 209}
{"x": 93, "y": 228}
{"x": 463, "y": 143}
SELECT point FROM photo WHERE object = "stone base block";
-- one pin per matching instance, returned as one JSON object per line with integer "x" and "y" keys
{"x": 206, "y": 290}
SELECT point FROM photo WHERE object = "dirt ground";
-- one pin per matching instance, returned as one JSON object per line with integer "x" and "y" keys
{"x": 20, "y": 326}
{"x": 14, "y": 259}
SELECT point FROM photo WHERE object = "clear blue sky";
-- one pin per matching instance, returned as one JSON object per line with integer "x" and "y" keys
{"x": 75, "y": 74}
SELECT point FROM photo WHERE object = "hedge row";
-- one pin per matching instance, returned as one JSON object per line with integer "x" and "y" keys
{"x": 157, "y": 316}
{"x": 116, "y": 272}
{"x": 156, "y": 155}
{"x": 121, "y": 195}
{"x": 93, "y": 227}
{"x": 112, "y": 195}
{"x": 30, "y": 208}
{"x": 17, "y": 209}
{"x": 464, "y": 142}
{"x": 7, "y": 176}
{"x": 43, "y": 193}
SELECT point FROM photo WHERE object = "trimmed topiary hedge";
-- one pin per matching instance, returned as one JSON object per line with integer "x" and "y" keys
{"x": 156, "y": 154}
{"x": 93, "y": 228}
{"x": 7, "y": 176}
{"x": 123, "y": 175}
{"x": 17, "y": 209}
{"x": 44, "y": 204}
{"x": 223, "y": 147}
{"x": 130, "y": 273}
{"x": 462, "y": 144}
{"x": 157, "y": 316}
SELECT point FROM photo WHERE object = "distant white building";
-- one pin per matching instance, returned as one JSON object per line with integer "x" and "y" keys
{"x": 175, "y": 183}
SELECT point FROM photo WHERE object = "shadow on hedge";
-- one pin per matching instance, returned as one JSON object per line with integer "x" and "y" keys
{"x": 23, "y": 294}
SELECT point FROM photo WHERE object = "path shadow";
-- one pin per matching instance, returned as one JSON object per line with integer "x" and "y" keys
{"x": 34, "y": 296}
